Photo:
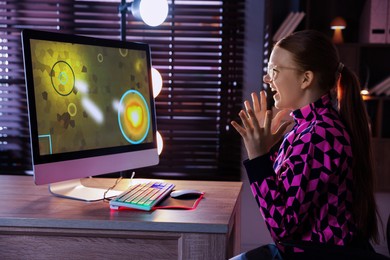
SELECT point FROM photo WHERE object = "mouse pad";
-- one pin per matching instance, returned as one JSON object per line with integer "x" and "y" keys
{"x": 172, "y": 203}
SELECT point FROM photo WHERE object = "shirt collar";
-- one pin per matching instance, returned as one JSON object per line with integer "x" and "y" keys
{"x": 309, "y": 112}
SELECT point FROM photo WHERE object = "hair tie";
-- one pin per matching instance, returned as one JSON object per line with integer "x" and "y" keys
{"x": 340, "y": 67}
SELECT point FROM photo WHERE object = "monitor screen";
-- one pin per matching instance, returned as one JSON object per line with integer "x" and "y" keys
{"x": 91, "y": 106}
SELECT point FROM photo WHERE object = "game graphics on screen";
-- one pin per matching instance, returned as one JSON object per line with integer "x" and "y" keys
{"x": 89, "y": 97}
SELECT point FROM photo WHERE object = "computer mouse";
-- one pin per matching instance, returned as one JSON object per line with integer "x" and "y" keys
{"x": 186, "y": 194}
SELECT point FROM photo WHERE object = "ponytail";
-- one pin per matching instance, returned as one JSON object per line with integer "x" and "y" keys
{"x": 353, "y": 112}
{"x": 316, "y": 52}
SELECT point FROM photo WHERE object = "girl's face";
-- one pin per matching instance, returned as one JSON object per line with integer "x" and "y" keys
{"x": 285, "y": 79}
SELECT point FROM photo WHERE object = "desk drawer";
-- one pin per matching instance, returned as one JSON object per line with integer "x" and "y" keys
{"x": 37, "y": 243}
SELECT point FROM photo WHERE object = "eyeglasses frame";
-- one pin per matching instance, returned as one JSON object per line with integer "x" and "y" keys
{"x": 275, "y": 69}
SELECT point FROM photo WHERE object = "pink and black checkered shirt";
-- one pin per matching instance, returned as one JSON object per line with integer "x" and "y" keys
{"x": 305, "y": 192}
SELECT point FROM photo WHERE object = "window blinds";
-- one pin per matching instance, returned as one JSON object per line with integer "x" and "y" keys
{"x": 199, "y": 52}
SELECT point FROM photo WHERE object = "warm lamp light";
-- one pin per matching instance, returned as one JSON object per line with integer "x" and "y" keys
{"x": 364, "y": 92}
{"x": 157, "y": 82}
{"x": 338, "y": 24}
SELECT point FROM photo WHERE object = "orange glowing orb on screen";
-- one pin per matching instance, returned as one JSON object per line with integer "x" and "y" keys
{"x": 133, "y": 117}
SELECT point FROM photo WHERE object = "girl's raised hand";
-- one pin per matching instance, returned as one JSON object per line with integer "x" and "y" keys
{"x": 259, "y": 131}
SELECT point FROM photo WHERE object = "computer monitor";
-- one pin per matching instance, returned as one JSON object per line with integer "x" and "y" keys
{"x": 91, "y": 109}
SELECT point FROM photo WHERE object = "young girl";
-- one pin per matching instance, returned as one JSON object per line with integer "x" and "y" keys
{"x": 316, "y": 192}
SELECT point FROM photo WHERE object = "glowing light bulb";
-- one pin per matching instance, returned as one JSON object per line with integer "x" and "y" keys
{"x": 152, "y": 12}
{"x": 160, "y": 143}
{"x": 157, "y": 82}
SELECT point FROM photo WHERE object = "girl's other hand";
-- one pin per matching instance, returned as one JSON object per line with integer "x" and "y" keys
{"x": 259, "y": 131}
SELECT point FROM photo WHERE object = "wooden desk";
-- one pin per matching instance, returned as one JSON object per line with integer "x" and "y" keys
{"x": 39, "y": 225}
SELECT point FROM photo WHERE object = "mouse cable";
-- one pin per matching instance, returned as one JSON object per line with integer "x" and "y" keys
{"x": 113, "y": 186}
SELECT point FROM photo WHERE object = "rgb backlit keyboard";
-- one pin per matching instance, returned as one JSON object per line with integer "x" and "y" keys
{"x": 142, "y": 196}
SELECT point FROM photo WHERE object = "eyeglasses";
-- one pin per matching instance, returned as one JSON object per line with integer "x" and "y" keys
{"x": 273, "y": 71}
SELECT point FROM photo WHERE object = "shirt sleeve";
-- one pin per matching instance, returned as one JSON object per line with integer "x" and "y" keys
{"x": 264, "y": 163}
